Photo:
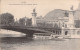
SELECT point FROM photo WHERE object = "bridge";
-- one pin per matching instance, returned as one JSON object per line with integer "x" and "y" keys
{"x": 29, "y": 31}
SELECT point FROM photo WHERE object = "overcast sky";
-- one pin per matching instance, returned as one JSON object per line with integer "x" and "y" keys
{"x": 22, "y": 8}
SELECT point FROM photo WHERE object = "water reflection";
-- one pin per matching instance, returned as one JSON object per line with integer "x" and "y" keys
{"x": 15, "y": 40}
{"x": 23, "y": 43}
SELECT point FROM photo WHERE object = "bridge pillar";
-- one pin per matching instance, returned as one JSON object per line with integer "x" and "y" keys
{"x": 29, "y": 34}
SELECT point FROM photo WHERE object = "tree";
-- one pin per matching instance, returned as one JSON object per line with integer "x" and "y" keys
{"x": 22, "y": 22}
{"x": 29, "y": 22}
{"x": 25, "y": 21}
{"x": 6, "y": 19}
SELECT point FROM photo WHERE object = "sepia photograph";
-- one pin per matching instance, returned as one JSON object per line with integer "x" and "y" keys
{"x": 39, "y": 24}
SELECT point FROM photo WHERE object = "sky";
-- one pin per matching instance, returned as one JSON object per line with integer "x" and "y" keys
{"x": 22, "y": 8}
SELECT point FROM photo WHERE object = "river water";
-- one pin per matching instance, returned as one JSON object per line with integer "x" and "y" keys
{"x": 22, "y": 43}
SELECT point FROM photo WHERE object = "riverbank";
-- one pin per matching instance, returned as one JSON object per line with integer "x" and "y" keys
{"x": 9, "y": 33}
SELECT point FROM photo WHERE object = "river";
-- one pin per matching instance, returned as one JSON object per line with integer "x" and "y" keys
{"x": 22, "y": 43}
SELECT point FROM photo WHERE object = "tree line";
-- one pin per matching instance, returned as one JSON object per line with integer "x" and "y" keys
{"x": 7, "y": 19}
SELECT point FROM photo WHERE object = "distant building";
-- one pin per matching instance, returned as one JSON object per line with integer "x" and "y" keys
{"x": 67, "y": 20}
{"x": 72, "y": 30}
{"x": 60, "y": 17}
{"x": 51, "y": 21}
{"x": 77, "y": 23}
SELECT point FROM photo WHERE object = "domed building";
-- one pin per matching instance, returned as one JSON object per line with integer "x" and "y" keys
{"x": 66, "y": 20}
{"x": 59, "y": 17}
{"x": 56, "y": 17}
